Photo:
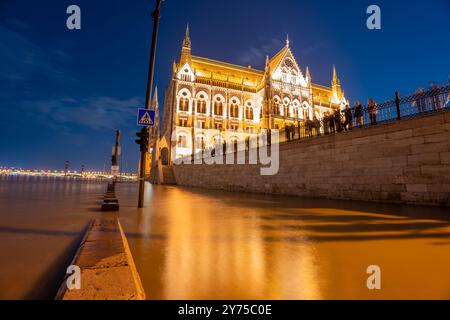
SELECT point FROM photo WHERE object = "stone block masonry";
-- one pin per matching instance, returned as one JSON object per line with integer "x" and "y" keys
{"x": 406, "y": 161}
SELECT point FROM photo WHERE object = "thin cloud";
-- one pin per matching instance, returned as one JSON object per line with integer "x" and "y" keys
{"x": 97, "y": 113}
{"x": 21, "y": 58}
{"x": 257, "y": 54}
{"x": 313, "y": 48}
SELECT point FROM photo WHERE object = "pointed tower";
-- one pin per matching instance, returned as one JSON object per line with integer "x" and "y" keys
{"x": 336, "y": 86}
{"x": 267, "y": 68}
{"x": 154, "y": 136}
{"x": 174, "y": 67}
{"x": 155, "y": 102}
{"x": 154, "y": 131}
{"x": 186, "y": 49}
{"x": 308, "y": 77}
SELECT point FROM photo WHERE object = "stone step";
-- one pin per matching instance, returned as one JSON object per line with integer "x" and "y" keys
{"x": 169, "y": 176}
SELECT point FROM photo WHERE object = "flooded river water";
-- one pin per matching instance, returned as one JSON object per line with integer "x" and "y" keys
{"x": 200, "y": 244}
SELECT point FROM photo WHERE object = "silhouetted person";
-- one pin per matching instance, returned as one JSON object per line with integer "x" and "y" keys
{"x": 326, "y": 124}
{"x": 288, "y": 135}
{"x": 337, "y": 120}
{"x": 420, "y": 102}
{"x": 332, "y": 123}
{"x": 317, "y": 126}
{"x": 435, "y": 99}
{"x": 373, "y": 110}
{"x": 359, "y": 114}
{"x": 309, "y": 127}
{"x": 348, "y": 118}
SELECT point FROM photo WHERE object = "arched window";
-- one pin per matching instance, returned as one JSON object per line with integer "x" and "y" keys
{"x": 218, "y": 107}
{"x": 182, "y": 141}
{"x": 184, "y": 104}
{"x": 218, "y": 140}
{"x": 297, "y": 109}
{"x": 249, "y": 111}
{"x": 286, "y": 103}
{"x": 306, "y": 111}
{"x": 200, "y": 142}
{"x": 201, "y": 104}
{"x": 235, "y": 143}
{"x": 276, "y": 106}
{"x": 234, "y": 108}
{"x": 184, "y": 101}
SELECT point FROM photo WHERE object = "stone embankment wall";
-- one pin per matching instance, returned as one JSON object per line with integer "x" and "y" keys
{"x": 406, "y": 161}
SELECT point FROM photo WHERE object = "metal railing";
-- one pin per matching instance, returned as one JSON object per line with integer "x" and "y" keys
{"x": 397, "y": 109}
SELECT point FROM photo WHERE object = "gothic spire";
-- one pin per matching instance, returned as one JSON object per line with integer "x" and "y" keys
{"x": 187, "y": 38}
{"x": 308, "y": 77}
{"x": 186, "y": 49}
{"x": 287, "y": 40}
{"x": 335, "y": 77}
{"x": 155, "y": 103}
{"x": 336, "y": 85}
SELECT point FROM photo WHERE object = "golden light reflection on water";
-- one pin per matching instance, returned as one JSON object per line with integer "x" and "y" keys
{"x": 211, "y": 254}
{"x": 191, "y": 244}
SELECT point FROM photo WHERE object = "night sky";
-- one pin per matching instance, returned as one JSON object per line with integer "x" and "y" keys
{"x": 64, "y": 93}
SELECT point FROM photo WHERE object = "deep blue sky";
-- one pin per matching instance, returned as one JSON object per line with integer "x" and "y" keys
{"x": 63, "y": 93}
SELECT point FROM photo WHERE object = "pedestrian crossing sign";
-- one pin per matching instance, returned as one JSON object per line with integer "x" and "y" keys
{"x": 146, "y": 118}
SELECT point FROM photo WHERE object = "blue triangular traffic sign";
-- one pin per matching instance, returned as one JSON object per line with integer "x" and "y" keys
{"x": 146, "y": 117}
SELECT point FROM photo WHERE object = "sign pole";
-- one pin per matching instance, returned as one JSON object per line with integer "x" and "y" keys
{"x": 148, "y": 98}
{"x": 115, "y": 157}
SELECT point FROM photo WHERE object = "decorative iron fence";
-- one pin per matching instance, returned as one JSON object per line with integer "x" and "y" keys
{"x": 399, "y": 108}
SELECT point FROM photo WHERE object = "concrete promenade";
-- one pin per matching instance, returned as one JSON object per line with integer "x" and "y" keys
{"x": 107, "y": 267}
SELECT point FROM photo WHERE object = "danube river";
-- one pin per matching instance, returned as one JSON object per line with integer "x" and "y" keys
{"x": 197, "y": 244}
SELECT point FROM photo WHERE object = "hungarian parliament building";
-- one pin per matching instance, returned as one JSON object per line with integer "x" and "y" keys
{"x": 209, "y": 102}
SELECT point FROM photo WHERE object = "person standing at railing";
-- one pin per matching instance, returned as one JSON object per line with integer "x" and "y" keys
{"x": 290, "y": 129}
{"x": 373, "y": 110}
{"x": 359, "y": 115}
{"x": 435, "y": 99}
{"x": 332, "y": 123}
{"x": 287, "y": 133}
{"x": 348, "y": 118}
{"x": 420, "y": 102}
{"x": 326, "y": 124}
{"x": 447, "y": 101}
{"x": 337, "y": 120}
{"x": 316, "y": 124}
{"x": 331, "y": 128}
{"x": 309, "y": 128}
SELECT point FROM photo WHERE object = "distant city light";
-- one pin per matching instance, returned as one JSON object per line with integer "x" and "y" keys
{"x": 69, "y": 174}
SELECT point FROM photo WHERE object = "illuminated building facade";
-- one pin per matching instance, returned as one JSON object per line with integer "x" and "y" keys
{"x": 209, "y": 102}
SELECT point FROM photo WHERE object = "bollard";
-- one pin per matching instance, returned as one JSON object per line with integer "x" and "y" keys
{"x": 110, "y": 202}
{"x": 110, "y": 207}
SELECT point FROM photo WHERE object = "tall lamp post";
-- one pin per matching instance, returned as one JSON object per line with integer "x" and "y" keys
{"x": 151, "y": 70}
